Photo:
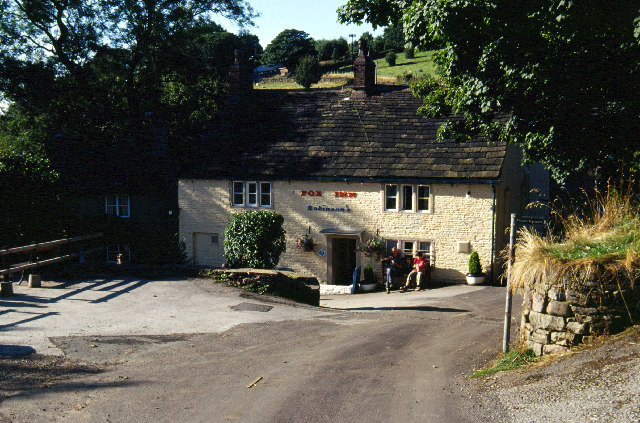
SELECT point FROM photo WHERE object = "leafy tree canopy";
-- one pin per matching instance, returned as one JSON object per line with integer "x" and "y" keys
{"x": 393, "y": 38}
{"x": 101, "y": 72}
{"x": 563, "y": 74}
{"x": 288, "y": 48}
{"x": 72, "y": 31}
{"x": 30, "y": 193}
{"x": 332, "y": 49}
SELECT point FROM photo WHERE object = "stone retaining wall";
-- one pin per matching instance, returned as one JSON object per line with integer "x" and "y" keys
{"x": 554, "y": 319}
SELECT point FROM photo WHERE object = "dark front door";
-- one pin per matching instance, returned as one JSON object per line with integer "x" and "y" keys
{"x": 344, "y": 260}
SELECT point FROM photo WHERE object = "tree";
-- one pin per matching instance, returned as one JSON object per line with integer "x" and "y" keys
{"x": 409, "y": 53}
{"x": 332, "y": 49}
{"x": 30, "y": 193}
{"x": 368, "y": 41}
{"x": 254, "y": 239}
{"x": 549, "y": 76}
{"x": 94, "y": 86}
{"x": 68, "y": 42}
{"x": 250, "y": 44}
{"x": 308, "y": 72}
{"x": 393, "y": 38}
{"x": 288, "y": 48}
{"x": 378, "y": 46}
{"x": 324, "y": 49}
{"x": 391, "y": 58}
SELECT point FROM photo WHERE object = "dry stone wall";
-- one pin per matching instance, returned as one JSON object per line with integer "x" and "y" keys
{"x": 555, "y": 318}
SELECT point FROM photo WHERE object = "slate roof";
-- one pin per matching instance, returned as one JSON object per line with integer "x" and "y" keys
{"x": 323, "y": 135}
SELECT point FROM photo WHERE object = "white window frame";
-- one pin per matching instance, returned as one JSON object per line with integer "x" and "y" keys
{"x": 246, "y": 193}
{"x": 400, "y": 245}
{"x": 385, "y": 197}
{"x": 428, "y": 198}
{"x": 403, "y": 197}
{"x": 117, "y": 205}
{"x": 261, "y": 193}
{"x": 235, "y": 193}
{"x": 256, "y": 193}
{"x": 404, "y": 249}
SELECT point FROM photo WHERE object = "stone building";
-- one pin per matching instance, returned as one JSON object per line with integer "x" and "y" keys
{"x": 344, "y": 166}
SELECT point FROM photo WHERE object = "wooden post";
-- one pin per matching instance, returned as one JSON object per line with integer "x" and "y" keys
{"x": 507, "y": 312}
{"x": 6, "y": 287}
{"x": 35, "y": 281}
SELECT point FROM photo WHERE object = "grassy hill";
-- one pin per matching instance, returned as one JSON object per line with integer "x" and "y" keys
{"x": 421, "y": 65}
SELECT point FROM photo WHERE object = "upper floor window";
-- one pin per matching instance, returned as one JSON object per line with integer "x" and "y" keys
{"x": 409, "y": 198}
{"x": 391, "y": 197}
{"x": 251, "y": 194}
{"x": 238, "y": 193}
{"x": 265, "y": 194}
{"x": 117, "y": 205}
{"x": 423, "y": 198}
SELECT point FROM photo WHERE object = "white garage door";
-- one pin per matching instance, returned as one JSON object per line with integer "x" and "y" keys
{"x": 208, "y": 249}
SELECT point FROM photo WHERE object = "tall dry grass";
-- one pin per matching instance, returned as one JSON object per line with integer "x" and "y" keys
{"x": 600, "y": 241}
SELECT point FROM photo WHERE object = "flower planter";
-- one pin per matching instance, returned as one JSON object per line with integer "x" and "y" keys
{"x": 475, "y": 279}
{"x": 368, "y": 287}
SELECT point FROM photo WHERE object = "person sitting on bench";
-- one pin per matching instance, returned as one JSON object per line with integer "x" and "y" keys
{"x": 419, "y": 267}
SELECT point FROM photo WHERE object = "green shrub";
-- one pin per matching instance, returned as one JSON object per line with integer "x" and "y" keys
{"x": 409, "y": 53}
{"x": 368, "y": 273}
{"x": 474, "y": 264}
{"x": 391, "y": 58}
{"x": 404, "y": 78}
{"x": 254, "y": 239}
{"x": 308, "y": 71}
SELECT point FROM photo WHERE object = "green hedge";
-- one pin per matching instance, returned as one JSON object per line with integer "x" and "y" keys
{"x": 254, "y": 239}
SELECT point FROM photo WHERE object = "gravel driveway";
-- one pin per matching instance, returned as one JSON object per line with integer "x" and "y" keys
{"x": 125, "y": 306}
{"x": 127, "y": 349}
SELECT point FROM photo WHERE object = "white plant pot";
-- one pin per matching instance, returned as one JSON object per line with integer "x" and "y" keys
{"x": 475, "y": 279}
{"x": 368, "y": 287}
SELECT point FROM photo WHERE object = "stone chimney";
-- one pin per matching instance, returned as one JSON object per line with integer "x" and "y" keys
{"x": 240, "y": 75}
{"x": 364, "y": 73}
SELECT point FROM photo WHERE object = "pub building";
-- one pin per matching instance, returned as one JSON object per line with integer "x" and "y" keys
{"x": 346, "y": 165}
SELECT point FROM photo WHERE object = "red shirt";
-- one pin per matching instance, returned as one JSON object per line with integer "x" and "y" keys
{"x": 420, "y": 264}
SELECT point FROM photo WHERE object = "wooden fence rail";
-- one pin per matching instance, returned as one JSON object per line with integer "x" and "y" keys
{"x": 21, "y": 267}
{"x": 49, "y": 245}
{"x": 6, "y": 288}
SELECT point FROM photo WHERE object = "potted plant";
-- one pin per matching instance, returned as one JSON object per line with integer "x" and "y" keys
{"x": 373, "y": 246}
{"x": 369, "y": 282}
{"x": 475, "y": 275}
{"x": 306, "y": 243}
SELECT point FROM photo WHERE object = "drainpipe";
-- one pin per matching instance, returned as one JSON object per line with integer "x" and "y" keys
{"x": 493, "y": 229}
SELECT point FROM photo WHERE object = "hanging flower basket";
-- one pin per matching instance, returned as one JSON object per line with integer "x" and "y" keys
{"x": 373, "y": 246}
{"x": 306, "y": 243}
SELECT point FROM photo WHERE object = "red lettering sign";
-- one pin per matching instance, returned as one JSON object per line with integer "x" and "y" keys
{"x": 311, "y": 193}
{"x": 343, "y": 194}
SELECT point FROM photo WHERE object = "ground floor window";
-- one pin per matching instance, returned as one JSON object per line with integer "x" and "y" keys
{"x": 409, "y": 248}
{"x": 117, "y": 249}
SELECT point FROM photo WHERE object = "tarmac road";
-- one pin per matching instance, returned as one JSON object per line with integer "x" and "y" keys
{"x": 403, "y": 357}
